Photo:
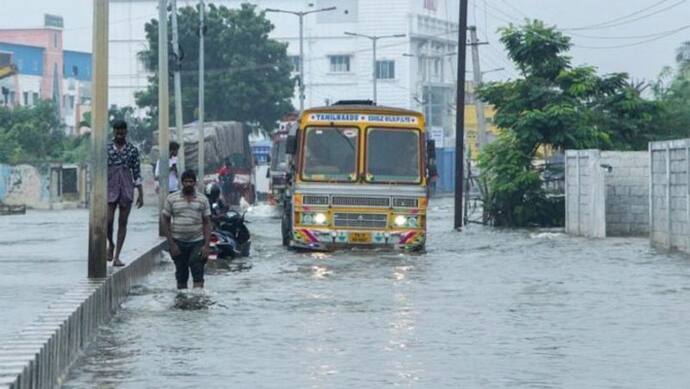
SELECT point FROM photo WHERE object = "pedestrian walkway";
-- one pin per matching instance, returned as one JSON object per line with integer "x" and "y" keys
{"x": 44, "y": 253}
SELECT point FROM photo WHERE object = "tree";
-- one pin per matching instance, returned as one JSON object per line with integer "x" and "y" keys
{"x": 30, "y": 133}
{"x": 553, "y": 106}
{"x": 248, "y": 75}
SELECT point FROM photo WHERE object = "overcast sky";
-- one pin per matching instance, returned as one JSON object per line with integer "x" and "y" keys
{"x": 654, "y": 34}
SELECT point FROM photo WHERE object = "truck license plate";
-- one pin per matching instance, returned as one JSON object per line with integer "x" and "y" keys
{"x": 360, "y": 237}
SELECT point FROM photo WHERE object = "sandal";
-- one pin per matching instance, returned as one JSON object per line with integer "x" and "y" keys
{"x": 118, "y": 263}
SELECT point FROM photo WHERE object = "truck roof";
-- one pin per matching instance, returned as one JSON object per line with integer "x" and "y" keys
{"x": 362, "y": 109}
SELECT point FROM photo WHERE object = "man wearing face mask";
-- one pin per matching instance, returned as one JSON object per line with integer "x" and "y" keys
{"x": 187, "y": 226}
{"x": 124, "y": 174}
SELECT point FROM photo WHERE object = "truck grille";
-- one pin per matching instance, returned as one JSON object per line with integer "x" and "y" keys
{"x": 315, "y": 200}
{"x": 351, "y": 201}
{"x": 359, "y": 220}
{"x": 405, "y": 203}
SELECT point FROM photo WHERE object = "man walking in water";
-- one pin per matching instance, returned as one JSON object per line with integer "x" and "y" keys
{"x": 187, "y": 226}
{"x": 124, "y": 174}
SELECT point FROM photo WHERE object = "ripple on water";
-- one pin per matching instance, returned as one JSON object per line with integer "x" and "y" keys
{"x": 481, "y": 308}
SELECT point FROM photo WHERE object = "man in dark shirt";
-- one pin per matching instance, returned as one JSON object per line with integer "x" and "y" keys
{"x": 124, "y": 174}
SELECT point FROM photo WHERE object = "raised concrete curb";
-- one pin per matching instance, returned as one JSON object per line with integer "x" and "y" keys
{"x": 41, "y": 354}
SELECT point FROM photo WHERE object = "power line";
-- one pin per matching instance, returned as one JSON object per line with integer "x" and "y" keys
{"x": 630, "y": 36}
{"x": 624, "y": 22}
{"x": 639, "y": 11}
{"x": 663, "y": 35}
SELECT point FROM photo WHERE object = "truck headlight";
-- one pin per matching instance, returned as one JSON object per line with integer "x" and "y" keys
{"x": 320, "y": 218}
{"x": 314, "y": 219}
{"x": 400, "y": 221}
{"x": 406, "y": 221}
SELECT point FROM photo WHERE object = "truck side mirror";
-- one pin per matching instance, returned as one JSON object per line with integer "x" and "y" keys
{"x": 431, "y": 149}
{"x": 291, "y": 145}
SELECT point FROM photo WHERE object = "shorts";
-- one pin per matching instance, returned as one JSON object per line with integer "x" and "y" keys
{"x": 189, "y": 260}
{"x": 121, "y": 201}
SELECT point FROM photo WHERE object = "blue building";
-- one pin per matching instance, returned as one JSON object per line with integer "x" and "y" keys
{"x": 77, "y": 65}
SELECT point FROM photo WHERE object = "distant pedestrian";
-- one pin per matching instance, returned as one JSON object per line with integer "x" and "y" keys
{"x": 173, "y": 182}
{"x": 124, "y": 174}
{"x": 226, "y": 177}
{"x": 187, "y": 226}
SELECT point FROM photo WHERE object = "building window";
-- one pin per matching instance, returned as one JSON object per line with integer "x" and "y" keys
{"x": 26, "y": 98}
{"x": 385, "y": 70}
{"x": 34, "y": 101}
{"x": 294, "y": 59}
{"x": 340, "y": 63}
{"x": 75, "y": 71}
{"x": 55, "y": 40}
{"x": 438, "y": 67}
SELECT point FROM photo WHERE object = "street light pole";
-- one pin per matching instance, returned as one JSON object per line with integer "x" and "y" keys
{"x": 98, "y": 210}
{"x": 202, "y": 137}
{"x": 163, "y": 108}
{"x": 460, "y": 117}
{"x": 178, "y": 89}
{"x": 301, "y": 15}
{"x": 374, "y": 39}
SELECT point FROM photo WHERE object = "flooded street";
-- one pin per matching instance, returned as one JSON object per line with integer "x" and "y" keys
{"x": 483, "y": 308}
{"x": 44, "y": 253}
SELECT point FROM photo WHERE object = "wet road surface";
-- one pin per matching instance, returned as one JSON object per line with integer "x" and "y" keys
{"x": 481, "y": 309}
{"x": 44, "y": 253}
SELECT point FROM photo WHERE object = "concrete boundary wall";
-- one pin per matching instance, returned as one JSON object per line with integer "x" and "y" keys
{"x": 607, "y": 193}
{"x": 669, "y": 200}
{"x": 585, "y": 191}
{"x": 41, "y": 354}
{"x": 627, "y": 192}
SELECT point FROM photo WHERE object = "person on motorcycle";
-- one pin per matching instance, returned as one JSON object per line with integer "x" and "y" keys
{"x": 226, "y": 176}
{"x": 218, "y": 207}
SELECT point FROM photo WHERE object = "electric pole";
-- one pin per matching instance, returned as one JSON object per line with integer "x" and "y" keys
{"x": 374, "y": 39}
{"x": 163, "y": 107}
{"x": 178, "y": 89}
{"x": 202, "y": 148}
{"x": 98, "y": 210}
{"x": 301, "y": 15}
{"x": 460, "y": 116}
{"x": 479, "y": 105}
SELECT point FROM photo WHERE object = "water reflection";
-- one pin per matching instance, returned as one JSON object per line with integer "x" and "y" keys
{"x": 484, "y": 308}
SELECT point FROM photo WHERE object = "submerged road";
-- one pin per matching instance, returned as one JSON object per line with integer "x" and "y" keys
{"x": 483, "y": 308}
{"x": 44, "y": 253}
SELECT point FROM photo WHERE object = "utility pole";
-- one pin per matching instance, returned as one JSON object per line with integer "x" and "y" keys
{"x": 301, "y": 15}
{"x": 460, "y": 116}
{"x": 178, "y": 89}
{"x": 98, "y": 210}
{"x": 479, "y": 105}
{"x": 202, "y": 148}
{"x": 374, "y": 39}
{"x": 163, "y": 107}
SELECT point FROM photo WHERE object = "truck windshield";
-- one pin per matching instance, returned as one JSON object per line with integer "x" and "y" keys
{"x": 330, "y": 154}
{"x": 393, "y": 155}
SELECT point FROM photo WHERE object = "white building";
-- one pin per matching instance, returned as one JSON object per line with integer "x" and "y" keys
{"x": 336, "y": 66}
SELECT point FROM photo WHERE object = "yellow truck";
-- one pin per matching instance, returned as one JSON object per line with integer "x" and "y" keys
{"x": 359, "y": 177}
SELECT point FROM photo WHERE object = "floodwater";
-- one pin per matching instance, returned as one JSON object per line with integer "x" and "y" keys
{"x": 481, "y": 309}
{"x": 44, "y": 253}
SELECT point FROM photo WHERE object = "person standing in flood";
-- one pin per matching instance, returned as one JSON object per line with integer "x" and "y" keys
{"x": 173, "y": 182}
{"x": 186, "y": 218}
{"x": 124, "y": 174}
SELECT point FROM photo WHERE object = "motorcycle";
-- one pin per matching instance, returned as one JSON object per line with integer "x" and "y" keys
{"x": 230, "y": 237}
